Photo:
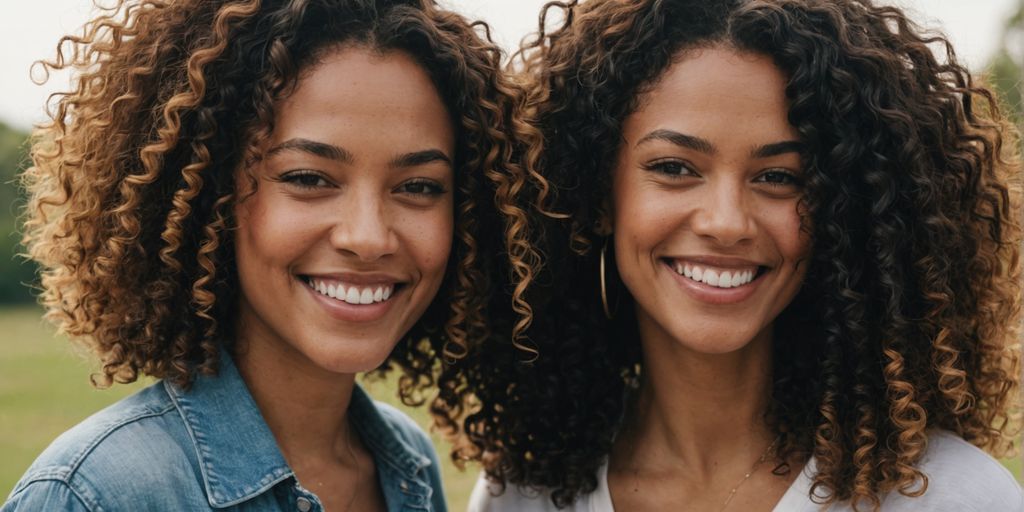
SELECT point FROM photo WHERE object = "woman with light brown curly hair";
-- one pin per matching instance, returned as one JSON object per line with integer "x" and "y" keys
{"x": 254, "y": 200}
{"x": 791, "y": 279}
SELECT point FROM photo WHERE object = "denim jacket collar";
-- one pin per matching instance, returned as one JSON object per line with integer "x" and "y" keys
{"x": 388, "y": 449}
{"x": 238, "y": 455}
{"x": 400, "y": 467}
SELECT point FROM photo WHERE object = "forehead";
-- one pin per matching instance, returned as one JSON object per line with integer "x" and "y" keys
{"x": 354, "y": 94}
{"x": 717, "y": 93}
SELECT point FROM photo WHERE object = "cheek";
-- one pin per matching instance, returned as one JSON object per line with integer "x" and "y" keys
{"x": 643, "y": 216}
{"x": 269, "y": 231}
{"x": 625, "y": 202}
{"x": 793, "y": 242}
{"x": 429, "y": 239}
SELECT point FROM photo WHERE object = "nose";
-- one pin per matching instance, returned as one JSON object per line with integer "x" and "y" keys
{"x": 363, "y": 228}
{"x": 724, "y": 214}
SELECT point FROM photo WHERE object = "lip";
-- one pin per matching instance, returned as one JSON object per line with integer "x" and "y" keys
{"x": 358, "y": 278}
{"x": 356, "y": 313}
{"x": 719, "y": 261}
{"x": 712, "y": 294}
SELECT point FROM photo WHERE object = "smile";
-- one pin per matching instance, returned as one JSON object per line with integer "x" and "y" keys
{"x": 717, "y": 281}
{"x": 352, "y": 293}
{"x": 717, "y": 277}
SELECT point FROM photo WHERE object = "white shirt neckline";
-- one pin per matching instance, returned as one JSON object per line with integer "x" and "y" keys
{"x": 793, "y": 500}
{"x": 961, "y": 478}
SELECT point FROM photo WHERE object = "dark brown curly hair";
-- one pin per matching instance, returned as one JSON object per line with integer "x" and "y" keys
{"x": 908, "y": 318}
{"x": 132, "y": 187}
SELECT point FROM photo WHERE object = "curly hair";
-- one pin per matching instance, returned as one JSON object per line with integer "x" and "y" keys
{"x": 908, "y": 318}
{"x": 132, "y": 189}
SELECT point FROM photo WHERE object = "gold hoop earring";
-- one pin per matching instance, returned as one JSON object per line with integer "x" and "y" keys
{"x": 604, "y": 284}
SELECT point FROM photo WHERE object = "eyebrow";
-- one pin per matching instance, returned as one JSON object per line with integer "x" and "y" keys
{"x": 313, "y": 147}
{"x": 680, "y": 139}
{"x": 705, "y": 146}
{"x": 420, "y": 158}
{"x": 344, "y": 156}
{"x": 777, "y": 148}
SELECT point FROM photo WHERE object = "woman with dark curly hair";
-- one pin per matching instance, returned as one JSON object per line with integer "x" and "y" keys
{"x": 804, "y": 226}
{"x": 253, "y": 200}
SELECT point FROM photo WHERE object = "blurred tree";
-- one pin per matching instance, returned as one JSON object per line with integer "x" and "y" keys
{"x": 15, "y": 272}
{"x": 1006, "y": 69}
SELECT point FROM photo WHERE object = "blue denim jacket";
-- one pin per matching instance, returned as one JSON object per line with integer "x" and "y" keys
{"x": 210, "y": 449}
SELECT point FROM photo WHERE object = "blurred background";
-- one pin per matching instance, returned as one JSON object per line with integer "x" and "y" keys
{"x": 44, "y": 382}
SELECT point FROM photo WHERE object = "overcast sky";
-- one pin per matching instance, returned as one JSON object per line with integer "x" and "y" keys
{"x": 29, "y": 31}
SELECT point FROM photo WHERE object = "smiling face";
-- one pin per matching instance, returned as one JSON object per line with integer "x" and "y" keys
{"x": 705, "y": 193}
{"x": 344, "y": 242}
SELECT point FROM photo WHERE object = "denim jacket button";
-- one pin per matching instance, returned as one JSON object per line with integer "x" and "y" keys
{"x": 303, "y": 504}
{"x": 404, "y": 485}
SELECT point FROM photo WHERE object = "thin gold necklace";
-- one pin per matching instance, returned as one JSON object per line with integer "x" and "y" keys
{"x": 757, "y": 464}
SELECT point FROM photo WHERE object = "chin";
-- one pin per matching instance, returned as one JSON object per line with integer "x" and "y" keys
{"x": 349, "y": 358}
{"x": 713, "y": 347}
{"x": 717, "y": 341}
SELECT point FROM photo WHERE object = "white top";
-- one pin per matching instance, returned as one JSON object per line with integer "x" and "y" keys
{"x": 961, "y": 478}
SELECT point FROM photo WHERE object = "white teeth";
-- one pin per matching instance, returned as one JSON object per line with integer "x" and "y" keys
{"x": 739, "y": 278}
{"x": 716, "y": 278}
{"x": 353, "y": 294}
{"x": 710, "y": 277}
{"x": 725, "y": 280}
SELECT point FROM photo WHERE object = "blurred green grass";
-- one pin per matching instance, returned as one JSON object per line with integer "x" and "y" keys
{"x": 45, "y": 389}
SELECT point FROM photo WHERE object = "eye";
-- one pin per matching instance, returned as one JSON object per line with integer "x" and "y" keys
{"x": 304, "y": 178}
{"x": 779, "y": 178}
{"x": 671, "y": 168}
{"x": 421, "y": 187}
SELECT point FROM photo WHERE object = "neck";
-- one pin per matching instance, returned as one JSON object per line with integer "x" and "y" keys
{"x": 305, "y": 406}
{"x": 696, "y": 410}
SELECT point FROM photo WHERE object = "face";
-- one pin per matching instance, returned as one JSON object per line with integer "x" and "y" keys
{"x": 707, "y": 234}
{"x": 344, "y": 241}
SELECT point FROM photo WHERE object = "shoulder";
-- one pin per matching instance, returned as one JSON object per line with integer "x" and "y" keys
{"x": 48, "y": 495}
{"x": 962, "y": 477}
{"x": 488, "y": 496}
{"x": 94, "y": 459}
